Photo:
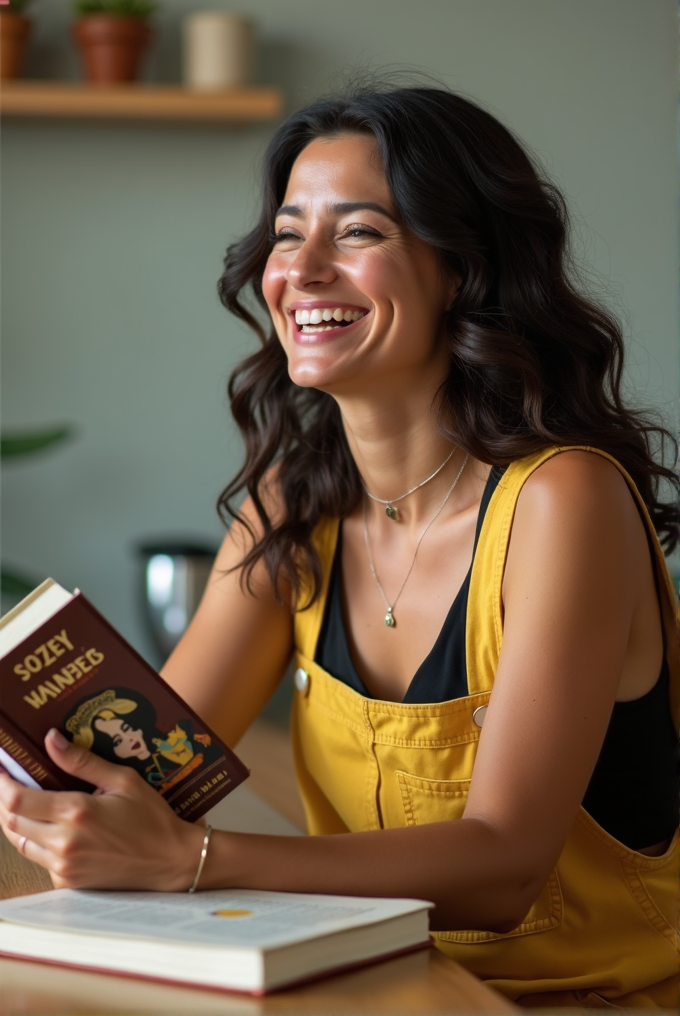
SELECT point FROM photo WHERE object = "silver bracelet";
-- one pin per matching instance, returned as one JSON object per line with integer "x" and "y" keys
{"x": 204, "y": 851}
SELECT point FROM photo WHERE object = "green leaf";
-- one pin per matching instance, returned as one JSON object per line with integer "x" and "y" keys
{"x": 15, "y": 445}
{"x": 17, "y": 6}
{"x": 121, "y": 8}
{"x": 13, "y": 584}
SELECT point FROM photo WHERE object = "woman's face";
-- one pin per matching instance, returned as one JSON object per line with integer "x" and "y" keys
{"x": 127, "y": 743}
{"x": 356, "y": 298}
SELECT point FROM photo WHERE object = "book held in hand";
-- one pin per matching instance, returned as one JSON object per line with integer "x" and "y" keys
{"x": 237, "y": 940}
{"x": 63, "y": 665}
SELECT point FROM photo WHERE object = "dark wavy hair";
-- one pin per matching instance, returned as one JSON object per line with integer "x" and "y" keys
{"x": 534, "y": 362}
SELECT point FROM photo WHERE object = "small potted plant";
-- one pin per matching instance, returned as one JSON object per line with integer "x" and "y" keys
{"x": 14, "y": 32}
{"x": 112, "y": 36}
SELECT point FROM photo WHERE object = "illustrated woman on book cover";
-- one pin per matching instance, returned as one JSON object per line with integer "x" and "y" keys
{"x": 453, "y": 528}
{"x": 119, "y": 724}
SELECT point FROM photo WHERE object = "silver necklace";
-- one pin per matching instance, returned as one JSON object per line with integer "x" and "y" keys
{"x": 390, "y": 619}
{"x": 389, "y": 502}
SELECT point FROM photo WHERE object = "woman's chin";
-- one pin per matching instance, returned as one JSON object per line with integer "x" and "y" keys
{"x": 313, "y": 375}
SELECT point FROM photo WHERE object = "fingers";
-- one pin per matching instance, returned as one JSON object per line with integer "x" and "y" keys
{"x": 82, "y": 763}
{"x": 32, "y": 850}
{"x": 56, "y": 845}
{"x": 20, "y": 830}
{"x": 125, "y": 836}
{"x": 42, "y": 805}
{"x": 28, "y": 836}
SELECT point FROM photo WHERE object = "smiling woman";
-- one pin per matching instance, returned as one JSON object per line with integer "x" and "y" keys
{"x": 389, "y": 291}
{"x": 451, "y": 527}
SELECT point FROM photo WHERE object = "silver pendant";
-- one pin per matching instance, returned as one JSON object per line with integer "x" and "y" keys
{"x": 389, "y": 620}
{"x": 392, "y": 513}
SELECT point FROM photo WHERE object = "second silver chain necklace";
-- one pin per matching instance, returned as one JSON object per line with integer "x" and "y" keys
{"x": 390, "y": 619}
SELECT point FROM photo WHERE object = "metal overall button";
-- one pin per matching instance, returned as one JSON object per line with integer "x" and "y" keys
{"x": 479, "y": 714}
{"x": 301, "y": 681}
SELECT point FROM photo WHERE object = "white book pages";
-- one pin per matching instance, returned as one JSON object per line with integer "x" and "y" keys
{"x": 244, "y": 940}
{"x": 235, "y": 918}
{"x": 15, "y": 770}
{"x": 38, "y": 607}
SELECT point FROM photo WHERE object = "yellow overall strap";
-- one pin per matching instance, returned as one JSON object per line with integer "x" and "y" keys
{"x": 484, "y": 628}
{"x": 308, "y": 621}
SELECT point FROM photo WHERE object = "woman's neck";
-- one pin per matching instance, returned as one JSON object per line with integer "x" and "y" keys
{"x": 397, "y": 445}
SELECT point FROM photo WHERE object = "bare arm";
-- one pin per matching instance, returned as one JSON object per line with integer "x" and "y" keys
{"x": 577, "y": 576}
{"x": 577, "y": 580}
{"x": 238, "y": 644}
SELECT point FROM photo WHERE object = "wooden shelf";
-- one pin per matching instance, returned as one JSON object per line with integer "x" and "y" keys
{"x": 136, "y": 102}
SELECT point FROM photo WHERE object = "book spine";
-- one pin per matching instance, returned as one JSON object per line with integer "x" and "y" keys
{"x": 17, "y": 750}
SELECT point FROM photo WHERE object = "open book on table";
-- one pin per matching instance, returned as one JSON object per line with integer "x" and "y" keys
{"x": 238, "y": 940}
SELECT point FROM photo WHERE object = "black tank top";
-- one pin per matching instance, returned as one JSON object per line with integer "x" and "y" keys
{"x": 633, "y": 791}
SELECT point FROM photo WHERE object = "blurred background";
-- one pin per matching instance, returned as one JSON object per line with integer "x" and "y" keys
{"x": 113, "y": 235}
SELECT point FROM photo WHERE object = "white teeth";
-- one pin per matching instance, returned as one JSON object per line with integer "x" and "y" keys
{"x": 317, "y": 315}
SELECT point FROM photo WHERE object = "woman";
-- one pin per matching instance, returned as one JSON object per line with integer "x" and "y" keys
{"x": 115, "y": 724}
{"x": 434, "y": 392}
{"x": 119, "y": 724}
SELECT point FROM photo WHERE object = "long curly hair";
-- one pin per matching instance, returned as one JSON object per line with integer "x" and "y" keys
{"x": 534, "y": 362}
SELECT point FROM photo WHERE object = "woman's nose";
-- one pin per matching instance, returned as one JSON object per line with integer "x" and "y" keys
{"x": 311, "y": 265}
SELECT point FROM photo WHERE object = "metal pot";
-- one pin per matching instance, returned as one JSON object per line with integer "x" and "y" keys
{"x": 175, "y": 576}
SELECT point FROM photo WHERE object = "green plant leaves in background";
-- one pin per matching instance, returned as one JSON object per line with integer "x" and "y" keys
{"x": 121, "y": 8}
{"x": 15, "y": 585}
{"x": 27, "y": 443}
{"x": 17, "y": 6}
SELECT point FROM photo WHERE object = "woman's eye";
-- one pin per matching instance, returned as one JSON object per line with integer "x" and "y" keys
{"x": 281, "y": 236}
{"x": 359, "y": 232}
{"x": 116, "y": 741}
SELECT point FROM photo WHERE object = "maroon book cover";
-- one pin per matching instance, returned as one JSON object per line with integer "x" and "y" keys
{"x": 35, "y": 763}
{"x": 76, "y": 673}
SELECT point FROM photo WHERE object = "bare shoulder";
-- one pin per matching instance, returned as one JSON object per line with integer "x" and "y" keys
{"x": 578, "y": 496}
{"x": 580, "y": 476}
{"x": 577, "y": 515}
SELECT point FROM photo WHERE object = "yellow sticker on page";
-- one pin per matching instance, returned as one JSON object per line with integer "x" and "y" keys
{"x": 231, "y": 913}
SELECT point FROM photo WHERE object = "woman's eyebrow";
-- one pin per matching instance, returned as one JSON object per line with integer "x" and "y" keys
{"x": 343, "y": 208}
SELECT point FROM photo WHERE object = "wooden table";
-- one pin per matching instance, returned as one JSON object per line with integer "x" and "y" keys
{"x": 422, "y": 982}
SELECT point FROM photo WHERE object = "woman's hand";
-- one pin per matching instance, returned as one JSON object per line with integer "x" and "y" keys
{"x": 123, "y": 836}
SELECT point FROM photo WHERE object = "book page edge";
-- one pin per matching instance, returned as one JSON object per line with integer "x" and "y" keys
{"x": 21, "y": 606}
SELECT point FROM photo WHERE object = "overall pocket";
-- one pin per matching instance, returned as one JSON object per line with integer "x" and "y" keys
{"x": 426, "y": 801}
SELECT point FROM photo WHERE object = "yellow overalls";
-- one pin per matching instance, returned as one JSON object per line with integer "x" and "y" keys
{"x": 604, "y": 930}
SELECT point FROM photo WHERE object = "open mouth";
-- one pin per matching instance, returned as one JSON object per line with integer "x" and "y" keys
{"x": 326, "y": 319}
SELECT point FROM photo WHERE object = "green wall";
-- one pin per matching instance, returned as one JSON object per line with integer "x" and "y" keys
{"x": 113, "y": 236}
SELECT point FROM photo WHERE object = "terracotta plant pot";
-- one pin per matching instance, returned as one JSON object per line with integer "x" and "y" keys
{"x": 14, "y": 32}
{"x": 111, "y": 47}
